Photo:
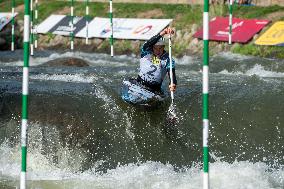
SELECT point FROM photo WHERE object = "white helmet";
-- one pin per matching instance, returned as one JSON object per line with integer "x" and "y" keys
{"x": 161, "y": 42}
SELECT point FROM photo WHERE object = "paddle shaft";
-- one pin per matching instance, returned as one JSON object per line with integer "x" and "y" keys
{"x": 171, "y": 67}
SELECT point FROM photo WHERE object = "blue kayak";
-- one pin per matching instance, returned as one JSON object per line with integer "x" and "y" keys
{"x": 135, "y": 93}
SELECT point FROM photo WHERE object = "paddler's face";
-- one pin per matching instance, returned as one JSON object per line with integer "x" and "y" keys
{"x": 158, "y": 50}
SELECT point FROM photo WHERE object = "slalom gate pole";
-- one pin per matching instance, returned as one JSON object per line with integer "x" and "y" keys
{"x": 87, "y": 22}
{"x": 13, "y": 26}
{"x": 36, "y": 23}
{"x": 32, "y": 29}
{"x": 205, "y": 84}
{"x": 72, "y": 25}
{"x": 230, "y": 21}
{"x": 25, "y": 89}
{"x": 111, "y": 27}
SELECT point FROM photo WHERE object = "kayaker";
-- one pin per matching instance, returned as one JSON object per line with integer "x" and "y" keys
{"x": 155, "y": 63}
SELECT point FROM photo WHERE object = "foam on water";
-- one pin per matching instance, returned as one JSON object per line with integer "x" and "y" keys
{"x": 92, "y": 58}
{"x": 42, "y": 173}
{"x": 186, "y": 60}
{"x": 149, "y": 174}
{"x": 78, "y": 78}
{"x": 124, "y": 72}
{"x": 34, "y": 61}
{"x": 260, "y": 71}
{"x": 152, "y": 175}
{"x": 233, "y": 56}
{"x": 257, "y": 70}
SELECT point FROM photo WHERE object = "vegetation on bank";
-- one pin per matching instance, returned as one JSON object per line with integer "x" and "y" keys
{"x": 186, "y": 20}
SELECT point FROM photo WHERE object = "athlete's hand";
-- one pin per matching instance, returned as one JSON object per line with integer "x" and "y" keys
{"x": 167, "y": 31}
{"x": 172, "y": 87}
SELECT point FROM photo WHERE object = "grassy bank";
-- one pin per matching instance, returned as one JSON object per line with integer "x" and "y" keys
{"x": 187, "y": 18}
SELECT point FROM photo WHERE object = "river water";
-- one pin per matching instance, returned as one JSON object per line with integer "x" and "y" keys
{"x": 82, "y": 135}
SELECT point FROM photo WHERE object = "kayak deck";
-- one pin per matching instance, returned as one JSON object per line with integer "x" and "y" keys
{"x": 135, "y": 93}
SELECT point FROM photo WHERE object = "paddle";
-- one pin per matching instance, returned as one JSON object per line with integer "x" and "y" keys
{"x": 171, "y": 114}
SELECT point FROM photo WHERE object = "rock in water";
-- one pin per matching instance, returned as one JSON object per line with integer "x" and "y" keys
{"x": 68, "y": 61}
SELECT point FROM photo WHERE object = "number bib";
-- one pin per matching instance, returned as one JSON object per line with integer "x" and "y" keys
{"x": 152, "y": 69}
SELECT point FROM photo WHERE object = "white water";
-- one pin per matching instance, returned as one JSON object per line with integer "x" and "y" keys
{"x": 124, "y": 60}
{"x": 77, "y": 78}
{"x": 93, "y": 59}
{"x": 145, "y": 175}
{"x": 187, "y": 60}
{"x": 152, "y": 175}
{"x": 257, "y": 70}
{"x": 233, "y": 56}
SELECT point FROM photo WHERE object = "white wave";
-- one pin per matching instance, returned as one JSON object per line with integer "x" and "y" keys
{"x": 147, "y": 175}
{"x": 257, "y": 70}
{"x": 79, "y": 78}
{"x": 39, "y": 166}
{"x": 92, "y": 58}
{"x": 260, "y": 71}
{"x": 226, "y": 72}
{"x": 98, "y": 58}
{"x": 186, "y": 60}
{"x": 109, "y": 103}
{"x": 233, "y": 56}
{"x": 158, "y": 175}
{"x": 124, "y": 72}
{"x": 33, "y": 61}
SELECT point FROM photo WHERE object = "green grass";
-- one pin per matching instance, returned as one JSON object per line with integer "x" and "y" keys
{"x": 183, "y": 17}
{"x": 182, "y": 14}
{"x": 46, "y": 8}
{"x": 6, "y": 5}
{"x": 255, "y": 12}
{"x": 249, "y": 49}
{"x": 261, "y": 51}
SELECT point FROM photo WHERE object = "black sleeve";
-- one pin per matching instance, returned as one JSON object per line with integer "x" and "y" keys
{"x": 174, "y": 76}
{"x": 150, "y": 43}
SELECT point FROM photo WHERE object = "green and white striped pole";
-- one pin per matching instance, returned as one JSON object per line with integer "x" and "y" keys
{"x": 13, "y": 26}
{"x": 72, "y": 25}
{"x": 111, "y": 27}
{"x": 205, "y": 95}
{"x": 32, "y": 29}
{"x": 87, "y": 22}
{"x": 25, "y": 88}
{"x": 36, "y": 22}
{"x": 231, "y": 21}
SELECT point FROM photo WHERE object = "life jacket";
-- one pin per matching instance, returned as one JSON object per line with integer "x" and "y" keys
{"x": 153, "y": 69}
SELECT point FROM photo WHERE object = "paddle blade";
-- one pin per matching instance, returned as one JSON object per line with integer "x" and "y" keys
{"x": 172, "y": 118}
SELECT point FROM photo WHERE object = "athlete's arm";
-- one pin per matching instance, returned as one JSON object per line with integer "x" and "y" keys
{"x": 148, "y": 46}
